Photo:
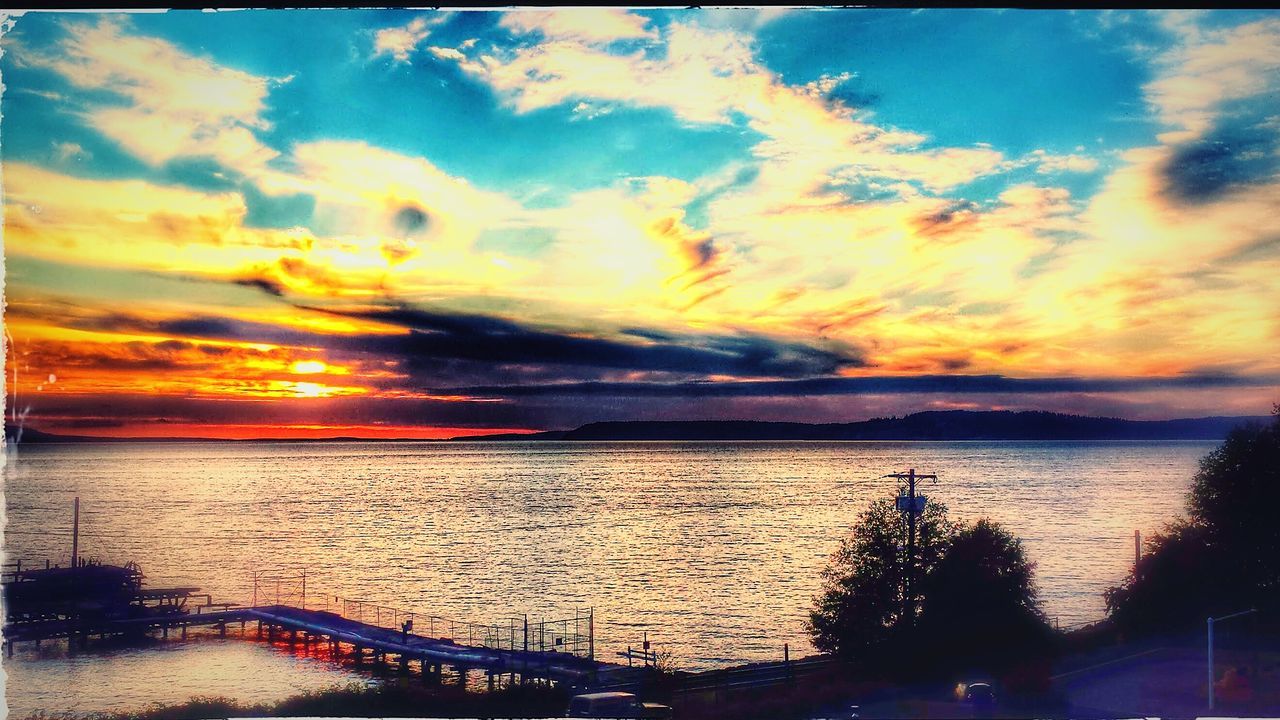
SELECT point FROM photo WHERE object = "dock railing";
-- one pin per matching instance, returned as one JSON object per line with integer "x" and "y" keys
{"x": 571, "y": 635}
{"x": 568, "y": 635}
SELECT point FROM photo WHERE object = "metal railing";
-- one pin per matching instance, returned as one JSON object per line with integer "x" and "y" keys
{"x": 574, "y": 635}
{"x": 568, "y": 635}
{"x": 1078, "y": 626}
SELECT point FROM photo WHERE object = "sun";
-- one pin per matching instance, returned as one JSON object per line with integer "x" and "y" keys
{"x": 307, "y": 367}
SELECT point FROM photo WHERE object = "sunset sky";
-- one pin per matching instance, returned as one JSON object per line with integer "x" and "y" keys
{"x": 428, "y": 224}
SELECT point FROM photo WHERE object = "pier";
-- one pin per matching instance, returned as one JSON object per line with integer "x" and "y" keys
{"x": 104, "y": 601}
{"x": 373, "y": 643}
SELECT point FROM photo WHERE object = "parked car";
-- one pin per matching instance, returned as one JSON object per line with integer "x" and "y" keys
{"x": 615, "y": 705}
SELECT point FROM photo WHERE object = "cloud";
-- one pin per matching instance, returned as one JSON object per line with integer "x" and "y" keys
{"x": 1239, "y": 150}
{"x": 919, "y": 384}
{"x": 588, "y": 25}
{"x": 68, "y": 151}
{"x": 710, "y": 76}
{"x": 400, "y": 42}
{"x": 1050, "y": 163}
{"x": 445, "y": 53}
{"x": 1172, "y": 258}
{"x": 361, "y": 189}
{"x": 1210, "y": 68}
{"x": 423, "y": 338}
{"x": 385, "y": 223}
{"x": 178, "y": 104}
{"x": 495, "y": 340}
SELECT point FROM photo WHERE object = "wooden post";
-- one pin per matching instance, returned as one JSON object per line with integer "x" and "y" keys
{"x": 1137, "y": 548}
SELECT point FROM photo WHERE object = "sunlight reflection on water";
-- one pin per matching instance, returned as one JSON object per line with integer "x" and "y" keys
{"x": 714, "y": 548}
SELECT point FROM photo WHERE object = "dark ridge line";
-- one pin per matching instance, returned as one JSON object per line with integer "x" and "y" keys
{"x": 935, "y": 425}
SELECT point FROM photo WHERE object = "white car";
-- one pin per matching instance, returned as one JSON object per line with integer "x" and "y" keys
{"x": 615, "y": 705}
{"x": 979, "y": 693}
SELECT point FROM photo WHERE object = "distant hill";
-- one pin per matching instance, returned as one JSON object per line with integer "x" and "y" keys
{"x": 931, "y": 425}
{"x": 517, "y": 437}
{"x": 32, "y": 435}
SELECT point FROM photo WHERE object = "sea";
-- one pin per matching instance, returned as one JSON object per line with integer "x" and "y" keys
{"x": 712, "y": 551}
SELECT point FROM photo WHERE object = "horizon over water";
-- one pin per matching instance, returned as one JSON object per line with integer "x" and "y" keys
{"x": 713, "y": 548}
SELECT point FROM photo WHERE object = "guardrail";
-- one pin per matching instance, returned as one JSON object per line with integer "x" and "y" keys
{"x": 755, "y": 675}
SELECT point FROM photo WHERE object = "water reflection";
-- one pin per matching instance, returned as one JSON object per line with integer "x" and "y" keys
{"x": 118, "y": 677}
{"x": 713, "y": 548}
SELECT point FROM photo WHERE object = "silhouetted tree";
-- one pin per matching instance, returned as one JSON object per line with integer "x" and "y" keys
{"x": 980, "y": 606}
{"x": 860, "y": 608}
{"x": 1226, "y": 554}
{"x": 1175, "y": 582}
{"x": 977, "y": 603}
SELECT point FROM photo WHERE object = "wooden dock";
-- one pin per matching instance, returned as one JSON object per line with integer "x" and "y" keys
{"x": 90, "y": 600}
{"x": 433, "y": 654}
{"x": 363, "y": 642}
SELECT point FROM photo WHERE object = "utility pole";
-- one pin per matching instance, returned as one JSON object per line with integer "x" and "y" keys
{"x": 912, "y": 505}
{"x": 75, "y": 536}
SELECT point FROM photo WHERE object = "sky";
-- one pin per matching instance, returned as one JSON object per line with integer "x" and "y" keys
{"x": 393, "y": 223}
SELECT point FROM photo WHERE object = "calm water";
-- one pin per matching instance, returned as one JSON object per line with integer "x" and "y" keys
{"x": 713, "y": 548}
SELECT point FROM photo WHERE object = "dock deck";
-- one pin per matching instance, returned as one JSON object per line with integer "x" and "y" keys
{"x": 408, "y": 646}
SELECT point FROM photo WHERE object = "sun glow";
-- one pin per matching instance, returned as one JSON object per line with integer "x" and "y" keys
{"x": 308, "y": 367}
{"x": 318, "y": 390}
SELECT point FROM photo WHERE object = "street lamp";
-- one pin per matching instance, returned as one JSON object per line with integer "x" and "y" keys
{"x": 1210, "y": 621}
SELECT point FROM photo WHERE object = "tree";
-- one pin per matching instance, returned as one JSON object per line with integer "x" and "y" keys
{"x": 1176, "y": 581}
{"x": 1225, "y": 555}
{"x": 1234, "y": 499}
{"x": 861, "y": 605}
{"x": 980, "y": 606}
